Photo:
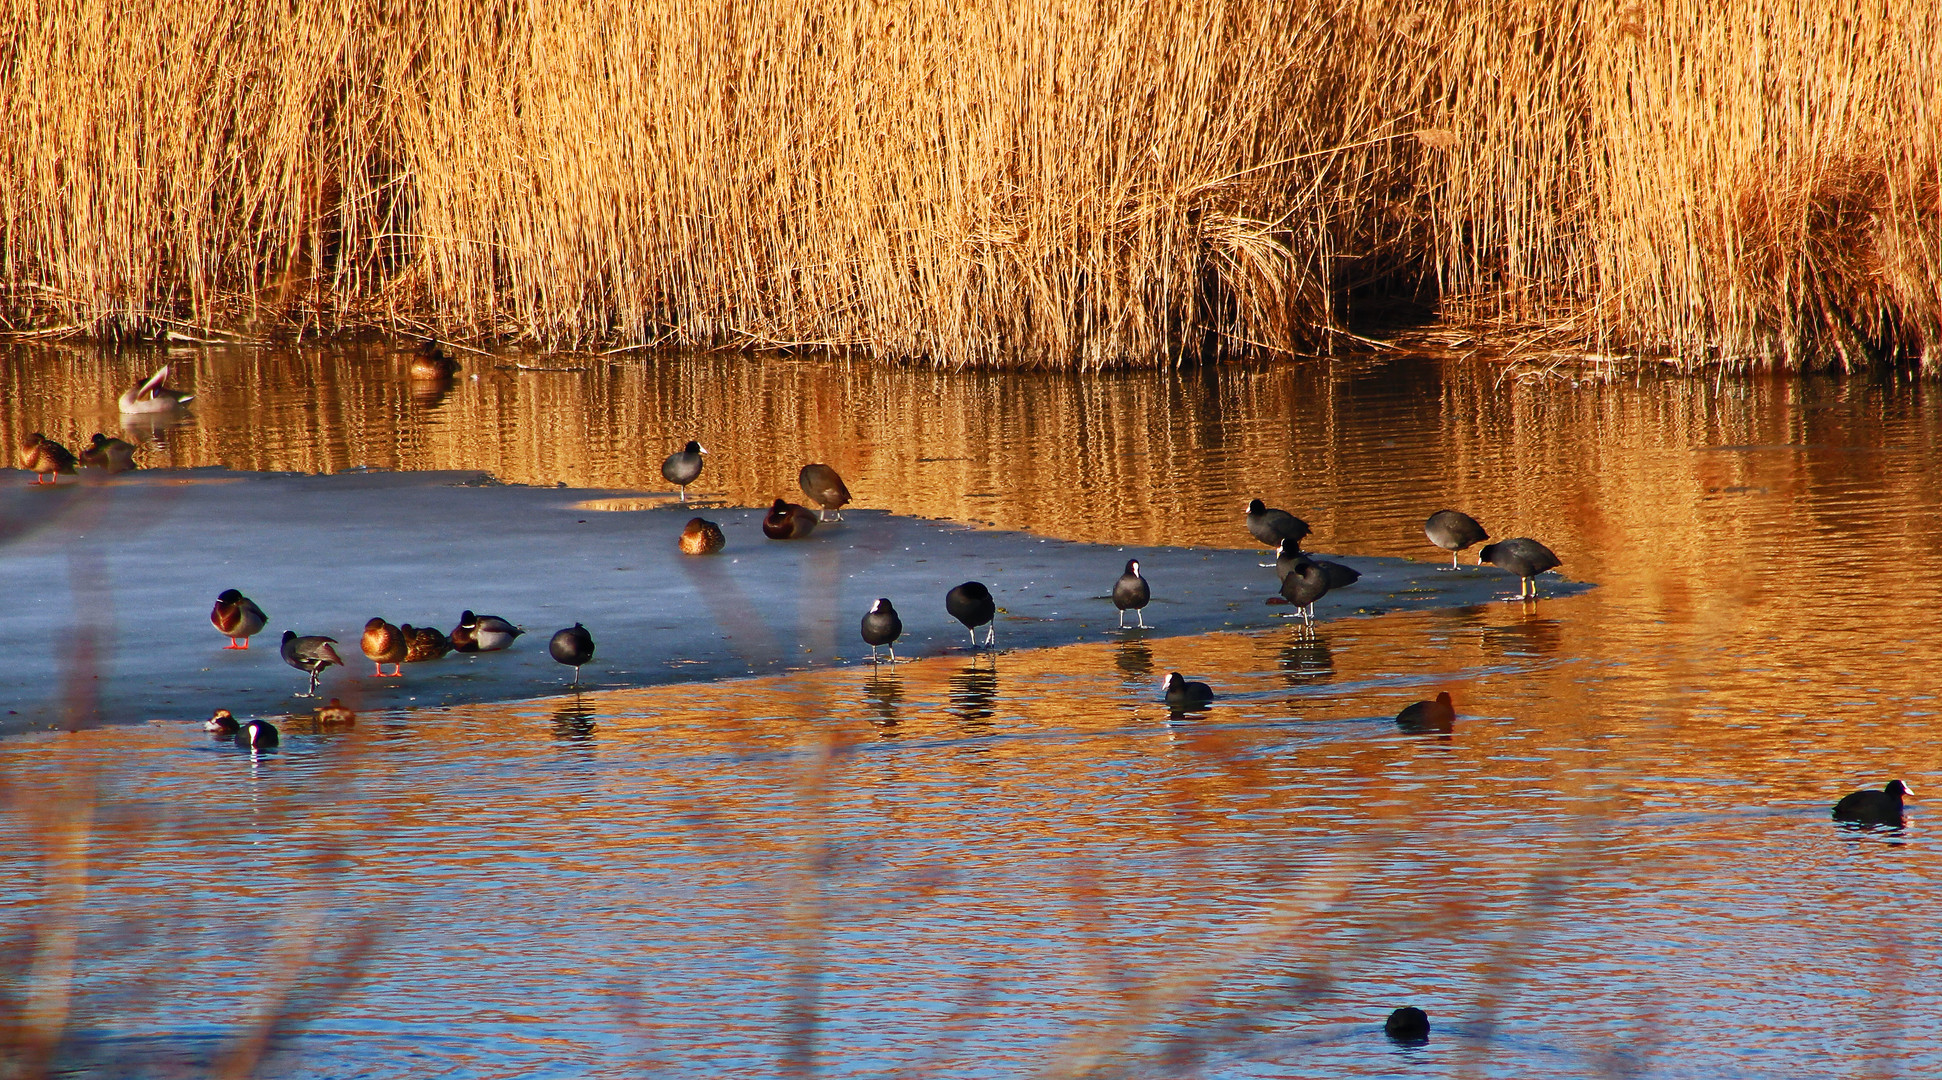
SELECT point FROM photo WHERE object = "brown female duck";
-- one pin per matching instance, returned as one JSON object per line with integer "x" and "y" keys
{"x": 43, "y": 456}
{"x": 702, "y": 537}
{"x": 424, "y": 643}
{"x": 385, "y": 644}
{"x": 432, "y": 363}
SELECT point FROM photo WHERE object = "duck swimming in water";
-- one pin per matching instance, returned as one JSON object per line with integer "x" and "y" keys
{"x": 111, "y": 455}
{"x": 152, "y": 396}
{"x": 237, "y": 617}
{"x": 335, "y": 714}
{"x": 43, "y": 456}
{"x": 432, "y": 363}
{"x": 824, "y": 488}
{"x": 222, "y": 722}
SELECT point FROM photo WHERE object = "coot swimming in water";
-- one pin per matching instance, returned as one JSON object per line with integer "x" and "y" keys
{"x": 573, "y": 646}
{"x": 1429, "y": 716}
{"x": 881, "y": 626}
{"x": 683, "y": 467}
{"x": 237, "y": 617}
{"x": 824, "y": 488}
{"x": 1522, "y": 556}
{"x": 971, "y": 604}
{"x": 1882, "y": 807}
{"x": 259, "y": 735}
{"x": 1185, "y": 696}
{"x": 1271, "y": 526}
{"x": 1408, "y": 1024}
{"x": 1453, "y": 530}
{"x": 1130, "y": 593}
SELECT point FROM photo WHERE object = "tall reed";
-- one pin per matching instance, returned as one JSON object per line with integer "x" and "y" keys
{"x": 1054, "y": 183}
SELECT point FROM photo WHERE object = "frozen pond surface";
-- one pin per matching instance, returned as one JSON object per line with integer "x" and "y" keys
{"x": 1619, "y": 863}
{"x": 322, "y": 554}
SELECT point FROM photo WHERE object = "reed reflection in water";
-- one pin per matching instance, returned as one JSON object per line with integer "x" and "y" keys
{"x": 1618, "y": 863}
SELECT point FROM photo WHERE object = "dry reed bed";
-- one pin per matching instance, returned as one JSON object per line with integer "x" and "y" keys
{"x": 1053, "y": 184}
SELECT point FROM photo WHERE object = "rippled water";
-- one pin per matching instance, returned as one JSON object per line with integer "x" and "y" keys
{"x": 1619, "y": 864}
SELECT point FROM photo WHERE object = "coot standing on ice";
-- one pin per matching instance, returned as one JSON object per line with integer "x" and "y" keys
{"x": 881, "y": 626}
{"x": 683, "y": 467}
{"x": 1271, "y": 526}
{"x": 311, "y": 654}
{"x": 972, "y": 605}
{"x": 824, "y": 488}
{"x": 1304, "y": 585}
{"x": 1522, "y": 556}
{"x": 572, "y": 646}
{"x": 1131, "y": 593}
{"x": 1453, "y": 530}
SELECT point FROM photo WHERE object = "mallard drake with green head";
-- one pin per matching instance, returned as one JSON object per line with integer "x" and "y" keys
{"x": 236, "y": 616}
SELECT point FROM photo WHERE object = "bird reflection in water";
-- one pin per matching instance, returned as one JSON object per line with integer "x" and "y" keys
{"x": 1527, "y": 636}
{"x": 430, "y": 393}
{"x": 882, "y": 692}
{"x": 1135, "y": 659}
{"x": 150, "y": 431}
{"x": 573, "y": 720}
{"x": 1306, "y": 657}
{"x": 973, "y": 692}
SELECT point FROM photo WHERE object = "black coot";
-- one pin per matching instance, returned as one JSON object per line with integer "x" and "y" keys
{"x": 1408, "y": 1024}
{"x": 823, "y": 487}
{"x": 258, "y": 735}
{"x": 1271, "y": 526}
{"x": 1453, "y": 530}
{"x": 684, "y": 467}
{"x": 312, "y": 654}
{"x": 1130, "y": 593}
{"x": 1304, "y": 585}
{"x": 971, "y": 604}
{"x": 1522, "y": 556}
{"x": 1882, "y": 807}
{"x": 573, "y": 646}
{"x": 1185, "y": 696}
{"x": 1429, "y": 716}
{"x": 881, "y": 626}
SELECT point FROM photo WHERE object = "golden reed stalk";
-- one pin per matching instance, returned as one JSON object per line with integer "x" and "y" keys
{"x": 1050, "y": 183}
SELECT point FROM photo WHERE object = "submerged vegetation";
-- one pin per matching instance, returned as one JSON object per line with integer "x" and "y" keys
{"x": 1057, "y": 184}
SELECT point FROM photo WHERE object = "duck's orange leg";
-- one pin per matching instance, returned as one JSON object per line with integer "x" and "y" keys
{"x": 232, "y": 643}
